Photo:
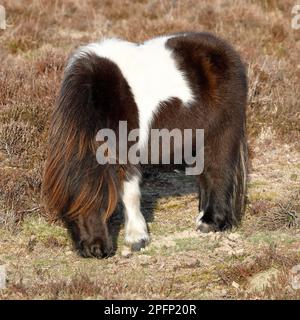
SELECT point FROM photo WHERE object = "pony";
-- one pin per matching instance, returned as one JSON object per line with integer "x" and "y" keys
{"x": 186, "y": 80}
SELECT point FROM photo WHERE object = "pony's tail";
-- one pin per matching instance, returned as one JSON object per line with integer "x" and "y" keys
{"x": 240, "y": 176}
{"x": 74, "y": 183}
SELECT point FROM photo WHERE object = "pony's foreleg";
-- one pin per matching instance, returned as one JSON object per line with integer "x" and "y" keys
{"x": 136, "y": 232}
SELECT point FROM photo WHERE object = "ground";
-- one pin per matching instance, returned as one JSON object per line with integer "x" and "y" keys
{"x": 256, "y": 260}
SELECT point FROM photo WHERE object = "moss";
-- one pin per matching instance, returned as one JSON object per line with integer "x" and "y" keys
{"x": 152, "y": 250}
{"x": 265, "y": 195}
{"x": 256, "y": 183}
{"x": 170, "y": 205}
{"x": 189, "y": 244}
{"x": 160, "y": 228}
{"x": 271, "y": 238}
{"x": 15, "y": 46}
{"x": 44, "y": 231}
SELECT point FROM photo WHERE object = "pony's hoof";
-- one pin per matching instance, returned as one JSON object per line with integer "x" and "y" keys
{"x": 205, "y": 227}
{"x": 137, "y": 244}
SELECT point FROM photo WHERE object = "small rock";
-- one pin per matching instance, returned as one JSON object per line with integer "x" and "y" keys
{"x": 126, "y": 252}
{"x": 68, "y": 253}
{"x": 233, "y": 236}
{"x": 239, "y": 252}
{"x": 249, "y": 260}
{"x": 144, "y": 259}
{"x": 2, "y": 277}
{"x": 295, "y": 277}
{"x": 223, "y": 293}
{"x": 216, "y": 236}
{"x": 225, "y": 249}
{"x": 161, "y": 267}
{"x": 263, "y": 279}
{"x": 235, "y": 285}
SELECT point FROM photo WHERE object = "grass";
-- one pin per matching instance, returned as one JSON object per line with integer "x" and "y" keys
{"x": 39, "y": 229}
{"x": 179, "y": 263}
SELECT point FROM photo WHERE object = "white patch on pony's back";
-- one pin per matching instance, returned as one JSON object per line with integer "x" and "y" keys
{"x": 150, "y": 71}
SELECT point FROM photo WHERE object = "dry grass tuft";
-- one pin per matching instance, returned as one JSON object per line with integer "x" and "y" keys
{"x": 268, "y": 258}
{"x": 284, "y": 215}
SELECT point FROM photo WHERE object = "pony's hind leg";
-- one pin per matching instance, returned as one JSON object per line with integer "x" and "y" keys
{"x": 136, "y": 232}
{"x": 203, "y": 199}
{"x": 222, "y": 185}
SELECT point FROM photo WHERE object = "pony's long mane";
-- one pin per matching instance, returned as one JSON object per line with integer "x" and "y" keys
{"x": 74, "y": 183}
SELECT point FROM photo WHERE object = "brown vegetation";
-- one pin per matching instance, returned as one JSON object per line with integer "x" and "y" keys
{"x": 39, "y": 37}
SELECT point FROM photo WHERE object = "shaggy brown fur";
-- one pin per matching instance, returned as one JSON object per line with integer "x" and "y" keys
{"x": 95, "y": 95}
{"x": 75, "y": 186}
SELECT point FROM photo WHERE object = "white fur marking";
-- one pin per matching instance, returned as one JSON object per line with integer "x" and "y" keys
{"x": 198, "y": 219}
{"x": 135, "y": 224}
{"x": 150, "y": 71}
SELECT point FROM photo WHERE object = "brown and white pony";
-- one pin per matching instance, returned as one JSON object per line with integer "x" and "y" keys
{"x": 185, "y": 81}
